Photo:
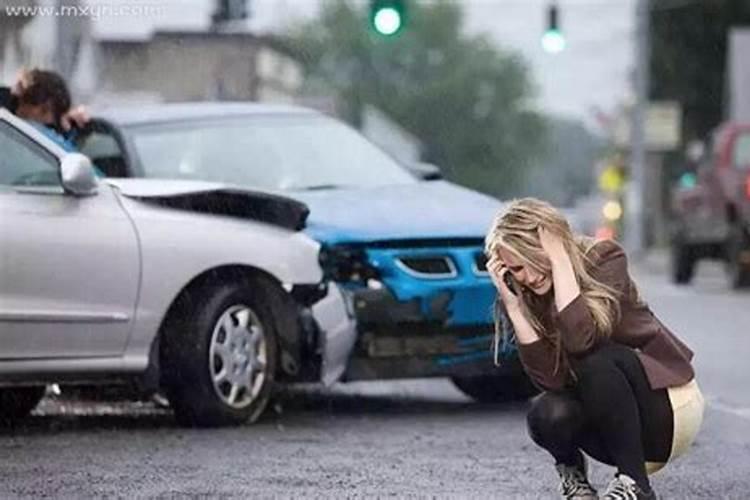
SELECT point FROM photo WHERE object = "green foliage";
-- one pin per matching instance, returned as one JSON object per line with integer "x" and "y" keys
{"x": 465, "y": 99}
{"x": 688, "y": 58}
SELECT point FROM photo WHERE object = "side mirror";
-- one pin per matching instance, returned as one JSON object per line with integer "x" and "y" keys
{"x": 426, "y": 171}
{"x": 78, "y": 176}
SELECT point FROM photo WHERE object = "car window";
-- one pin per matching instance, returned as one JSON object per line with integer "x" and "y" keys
{"x": 23, "y": 163}
{"x": 277, "y": 153}
{"x": 741, "y": 153}
{"x": 101, "y": 146}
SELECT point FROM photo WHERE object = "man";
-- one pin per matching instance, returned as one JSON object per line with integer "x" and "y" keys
{"x": 43, "y": 99}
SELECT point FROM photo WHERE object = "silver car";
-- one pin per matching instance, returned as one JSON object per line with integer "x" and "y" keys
{"x": 208, "y": 292}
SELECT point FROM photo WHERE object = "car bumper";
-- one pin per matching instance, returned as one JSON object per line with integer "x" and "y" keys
{"x": 415, "y": 338}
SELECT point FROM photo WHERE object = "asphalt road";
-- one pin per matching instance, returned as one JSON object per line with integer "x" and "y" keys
{"x": 397, "y": 439}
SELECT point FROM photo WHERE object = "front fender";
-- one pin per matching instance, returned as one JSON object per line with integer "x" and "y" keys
{"x": 176, "y": 246}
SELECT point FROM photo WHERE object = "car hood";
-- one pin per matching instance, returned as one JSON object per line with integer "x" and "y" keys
{"x": 217, "y": 199}
{"x": 424, "y": 210}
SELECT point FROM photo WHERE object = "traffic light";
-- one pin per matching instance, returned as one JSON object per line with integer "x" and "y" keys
{"x": 553, "y": 40}
{"x": 387, "y": 17}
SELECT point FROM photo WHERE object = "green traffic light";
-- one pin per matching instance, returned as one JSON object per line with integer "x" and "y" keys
{"x": 387, "y": 21}
{"x": 553, "y": 41}
{"x": 688, "y": 180}
{"x": 387, "y": 17}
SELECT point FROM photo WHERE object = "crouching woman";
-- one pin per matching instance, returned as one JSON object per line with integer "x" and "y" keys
{"x": 619, "y": 385}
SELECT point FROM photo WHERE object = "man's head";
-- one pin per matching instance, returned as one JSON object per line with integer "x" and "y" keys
{"x": 42, "y": 96}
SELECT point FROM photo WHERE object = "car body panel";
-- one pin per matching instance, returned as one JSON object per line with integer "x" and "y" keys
{"x": 426, "y": 210}
{"x": 217, "y": 199}
{"x": 70, "y": 274}
{"x": 334, "y": 318}
{"x": 52, "y": 243}
{"x": 179, "y": 246}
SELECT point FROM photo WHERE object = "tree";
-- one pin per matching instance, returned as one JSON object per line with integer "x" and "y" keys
{"x": 688, "y": 58}
{"x": 466, "y": 100}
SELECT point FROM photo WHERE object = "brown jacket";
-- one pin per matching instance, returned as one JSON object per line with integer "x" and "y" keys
{"x": 665, "y": 359}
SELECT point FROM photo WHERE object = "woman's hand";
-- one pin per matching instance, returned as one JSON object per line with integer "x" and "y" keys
{"x": 552, "y": 245}
{"x": 497, "y": 269}
{"x": 563, "y": 275}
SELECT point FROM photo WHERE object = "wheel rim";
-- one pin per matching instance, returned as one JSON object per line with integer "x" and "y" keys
{"x": 237, "y": 356}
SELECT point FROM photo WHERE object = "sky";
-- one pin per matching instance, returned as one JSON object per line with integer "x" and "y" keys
{"x": 592, "y": 73}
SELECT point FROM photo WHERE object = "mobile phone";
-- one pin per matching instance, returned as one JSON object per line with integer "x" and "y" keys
{"x": 510, "y": 282}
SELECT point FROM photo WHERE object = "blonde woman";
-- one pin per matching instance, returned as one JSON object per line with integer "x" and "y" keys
{"x": 619, "y": 385}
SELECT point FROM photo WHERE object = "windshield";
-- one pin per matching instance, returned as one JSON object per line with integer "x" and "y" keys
{"x": 265, "y": 152}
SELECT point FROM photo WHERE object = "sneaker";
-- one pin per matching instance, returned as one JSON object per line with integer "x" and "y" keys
{"x": 624, "y": 487}
{"x": 573, "y": 483}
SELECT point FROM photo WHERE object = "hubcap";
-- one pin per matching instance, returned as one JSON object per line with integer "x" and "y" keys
{"x": 237, "y": 356}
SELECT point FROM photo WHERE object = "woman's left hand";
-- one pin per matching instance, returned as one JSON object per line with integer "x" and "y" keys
{"x": 551, "y": 243}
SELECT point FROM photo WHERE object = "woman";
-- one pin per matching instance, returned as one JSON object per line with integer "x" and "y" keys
{"x": 619, "y": 385}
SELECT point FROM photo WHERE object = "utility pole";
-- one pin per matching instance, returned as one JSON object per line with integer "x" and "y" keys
{"x": 635, "y": 210}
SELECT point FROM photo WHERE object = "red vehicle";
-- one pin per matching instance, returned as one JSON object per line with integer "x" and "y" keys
{"x": 712, "y": 210}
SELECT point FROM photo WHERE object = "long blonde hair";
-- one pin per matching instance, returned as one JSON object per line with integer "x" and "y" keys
{"x": 516, "y": 230}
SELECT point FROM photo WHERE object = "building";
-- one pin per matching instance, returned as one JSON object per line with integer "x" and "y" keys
{"x": 211, "y": 65}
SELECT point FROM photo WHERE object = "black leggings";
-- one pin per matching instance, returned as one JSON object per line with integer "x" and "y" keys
{"x": 611, "y": 413}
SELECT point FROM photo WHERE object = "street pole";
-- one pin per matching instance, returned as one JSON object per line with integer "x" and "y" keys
{"x": 635, "y": 210}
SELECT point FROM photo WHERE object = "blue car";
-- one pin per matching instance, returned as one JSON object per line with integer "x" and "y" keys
{"x": 404, "y": 254}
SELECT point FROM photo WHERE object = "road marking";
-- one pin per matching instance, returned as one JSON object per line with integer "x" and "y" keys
{"x": 725, "y": 408}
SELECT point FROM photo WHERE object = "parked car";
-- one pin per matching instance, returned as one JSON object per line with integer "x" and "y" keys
{"x": 210, "y": 292}
{"x": 712, "y": 209}
{"x": 405, "y": 252}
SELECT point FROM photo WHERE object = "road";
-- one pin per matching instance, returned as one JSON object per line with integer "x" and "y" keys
{"x": 400, "y": 439}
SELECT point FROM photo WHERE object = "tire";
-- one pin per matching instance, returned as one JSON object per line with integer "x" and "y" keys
{"x": 737, "y": 243}
{"x": 17, "y": 402}
{"x": 683, "y": 261}
{"x": 221, "y": 332}
{"x": 496, "y": 388}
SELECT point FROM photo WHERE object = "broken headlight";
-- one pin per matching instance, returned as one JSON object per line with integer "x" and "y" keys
{"x": 346, "y": 264}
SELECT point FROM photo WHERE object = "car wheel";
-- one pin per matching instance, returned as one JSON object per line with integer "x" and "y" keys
{"x": 17, "y": 402}
{"x": 738, "y": 244}
{"x": 683, "y": 261}
{"x": 496, "y": 388}
{"x": 218, "y": 354}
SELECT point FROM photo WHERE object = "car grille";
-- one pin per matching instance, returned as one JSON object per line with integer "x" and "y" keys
{"x": 480, "y": 263}
{"x": 430, "y": 267}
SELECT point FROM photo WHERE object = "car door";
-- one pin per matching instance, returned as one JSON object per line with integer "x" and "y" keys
{"x": 69, "y": 266}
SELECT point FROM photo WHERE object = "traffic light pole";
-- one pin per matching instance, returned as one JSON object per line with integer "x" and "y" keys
{"x": 635, "y": 210}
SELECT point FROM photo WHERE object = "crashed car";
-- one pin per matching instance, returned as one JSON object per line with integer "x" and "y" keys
{"x": 208, "y": 292}
{"x": 404, "y": 252}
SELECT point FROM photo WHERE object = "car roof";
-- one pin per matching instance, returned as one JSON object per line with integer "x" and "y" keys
{"x": 188, "y": 111}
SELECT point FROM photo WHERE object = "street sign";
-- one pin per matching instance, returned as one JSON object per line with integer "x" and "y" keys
{"x": 663, "y": 123}
{"x": 663, "y": 126}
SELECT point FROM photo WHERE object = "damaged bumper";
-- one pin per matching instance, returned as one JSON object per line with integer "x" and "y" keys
{"x": 414, "y": 338}
{"x": 414, "y": 309}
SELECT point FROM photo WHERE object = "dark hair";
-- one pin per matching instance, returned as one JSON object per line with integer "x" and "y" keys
{"x": 47, "y": 87}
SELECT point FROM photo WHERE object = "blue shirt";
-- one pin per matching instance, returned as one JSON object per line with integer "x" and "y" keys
{"x": 61, "y": 141}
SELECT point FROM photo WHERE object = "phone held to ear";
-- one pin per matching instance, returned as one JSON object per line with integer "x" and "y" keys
{"x": 510, "y": 282}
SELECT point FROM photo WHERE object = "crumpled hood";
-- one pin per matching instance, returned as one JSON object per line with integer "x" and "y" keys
{"x": 424, "y": 210}
{"x": 217, "y": 199}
